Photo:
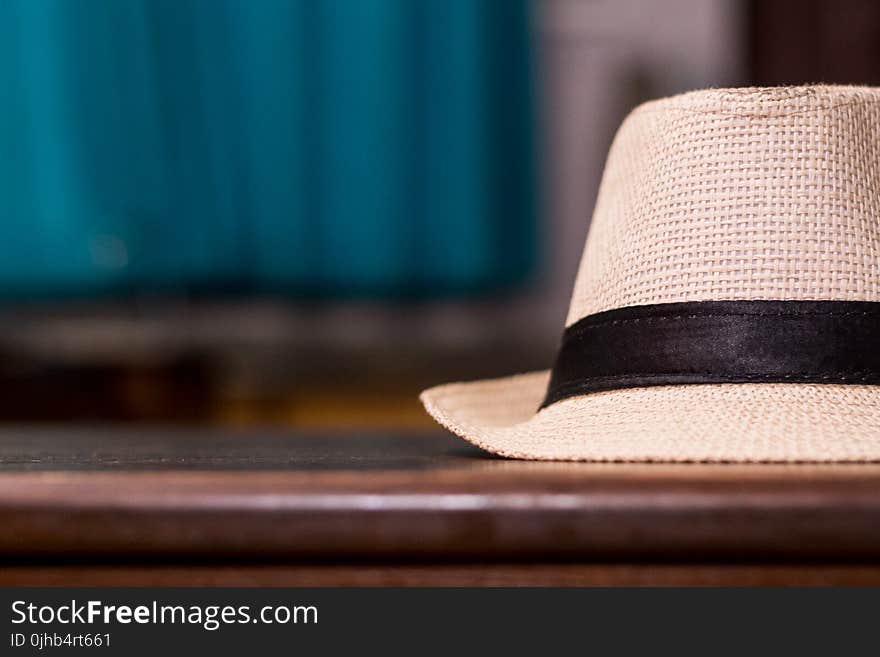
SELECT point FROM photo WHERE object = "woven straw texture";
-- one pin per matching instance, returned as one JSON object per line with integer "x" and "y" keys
{"x": 728, "y": 194}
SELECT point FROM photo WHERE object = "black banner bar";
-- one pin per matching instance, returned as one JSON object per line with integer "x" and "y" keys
{"x": 217, "y": 621}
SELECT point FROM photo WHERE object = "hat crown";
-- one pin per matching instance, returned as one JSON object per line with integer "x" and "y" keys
{"x": 738, "y": 194}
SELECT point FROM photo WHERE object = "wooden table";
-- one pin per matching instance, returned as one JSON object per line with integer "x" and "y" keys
{"x": 190, "y": 507}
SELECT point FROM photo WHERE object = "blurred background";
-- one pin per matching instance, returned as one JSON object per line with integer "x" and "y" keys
{"x": 302, "y": 212}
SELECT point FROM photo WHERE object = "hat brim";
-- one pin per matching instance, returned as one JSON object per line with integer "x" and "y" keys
{"x": 736, "y": 422}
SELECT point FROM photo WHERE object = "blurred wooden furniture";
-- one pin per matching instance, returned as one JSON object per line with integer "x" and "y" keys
{"x": 187, "y": 507}
{"x": 810, "y": 41}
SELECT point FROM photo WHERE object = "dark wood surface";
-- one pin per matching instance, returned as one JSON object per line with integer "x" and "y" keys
{"x": 186, "y": 506}
{"x": 602, "y": 573}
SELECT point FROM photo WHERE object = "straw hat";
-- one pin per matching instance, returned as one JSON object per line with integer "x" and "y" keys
{"x": 726, "y": 307}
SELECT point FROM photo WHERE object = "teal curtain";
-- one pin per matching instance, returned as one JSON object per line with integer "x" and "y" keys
{"x": 337, "y": 147}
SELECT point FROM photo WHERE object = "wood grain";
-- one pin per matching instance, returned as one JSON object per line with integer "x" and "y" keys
{"x": 165, "y": 494}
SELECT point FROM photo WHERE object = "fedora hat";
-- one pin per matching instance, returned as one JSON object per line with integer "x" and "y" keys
{"x": 727, "y": 305}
